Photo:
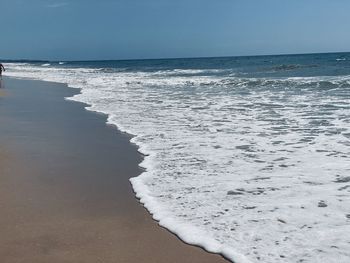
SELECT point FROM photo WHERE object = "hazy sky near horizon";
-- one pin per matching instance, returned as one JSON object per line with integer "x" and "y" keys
{"x": 121, "y": 29}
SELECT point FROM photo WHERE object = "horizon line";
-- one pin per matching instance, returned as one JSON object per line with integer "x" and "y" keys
{"x": 175, "y": 58}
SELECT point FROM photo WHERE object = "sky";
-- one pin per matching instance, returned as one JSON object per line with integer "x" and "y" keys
{"x": 138, "y": 29}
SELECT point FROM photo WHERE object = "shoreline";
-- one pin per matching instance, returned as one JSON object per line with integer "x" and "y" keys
{"x": 78, "y": 195}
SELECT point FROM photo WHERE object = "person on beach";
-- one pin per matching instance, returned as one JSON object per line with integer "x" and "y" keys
{"x": 2, "y": 68}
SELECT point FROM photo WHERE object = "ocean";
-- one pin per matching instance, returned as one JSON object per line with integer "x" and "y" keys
{"x": 244, "y": 156}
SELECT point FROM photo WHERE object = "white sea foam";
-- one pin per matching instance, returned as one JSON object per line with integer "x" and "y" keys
{"x": 255, "y": 169}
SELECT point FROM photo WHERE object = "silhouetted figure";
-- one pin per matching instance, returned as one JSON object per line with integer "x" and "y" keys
{"x": 2, "y": 68}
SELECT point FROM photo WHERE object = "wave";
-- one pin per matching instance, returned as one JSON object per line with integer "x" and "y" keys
{"x": 289, "y": 67}
{"x": 221, "y": 152}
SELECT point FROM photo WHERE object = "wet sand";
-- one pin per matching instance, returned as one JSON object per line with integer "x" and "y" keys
{"x": 64, "y": 189}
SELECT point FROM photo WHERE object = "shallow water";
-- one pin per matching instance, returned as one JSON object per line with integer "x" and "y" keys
{"x": 248, "y": 157}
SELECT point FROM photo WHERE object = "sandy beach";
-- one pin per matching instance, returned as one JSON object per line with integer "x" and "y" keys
{"x": 65, "y": 194}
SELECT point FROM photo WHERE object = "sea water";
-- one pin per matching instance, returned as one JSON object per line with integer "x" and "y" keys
{"x": 245, "y": 156}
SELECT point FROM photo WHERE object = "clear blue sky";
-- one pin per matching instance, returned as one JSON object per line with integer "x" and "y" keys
{"x": 120, "y": 29}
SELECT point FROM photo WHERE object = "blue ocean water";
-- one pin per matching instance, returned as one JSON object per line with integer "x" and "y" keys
{"x": 244, "y": 156}
{"x": 305, "y": 65}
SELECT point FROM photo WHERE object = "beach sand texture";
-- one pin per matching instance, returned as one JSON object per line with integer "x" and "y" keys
{"x": 64, "y": 189}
